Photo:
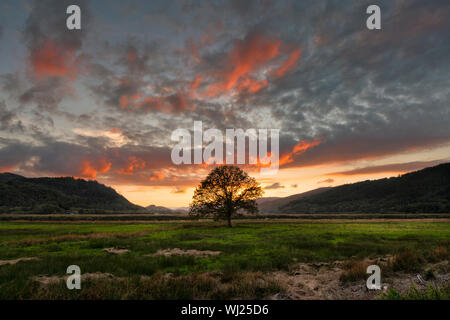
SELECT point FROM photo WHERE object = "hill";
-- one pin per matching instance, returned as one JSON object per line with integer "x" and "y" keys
{"x": 162, "y": 210}
{"x": 59, "y": 195}
{"x": 273, "y": 204}
{"x": 424, "y": 191}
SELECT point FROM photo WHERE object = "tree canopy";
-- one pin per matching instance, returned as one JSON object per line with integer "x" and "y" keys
{"x": 224, "y": 193}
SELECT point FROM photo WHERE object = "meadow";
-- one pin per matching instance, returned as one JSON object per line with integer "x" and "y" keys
{"x": 242, "y": 258}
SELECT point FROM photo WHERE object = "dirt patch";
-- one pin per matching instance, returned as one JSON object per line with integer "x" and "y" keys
{"x": 116, "y": 251}
{"x": 310, "y": 281}
{"x": 179, "y": 252}
{"x": 46, "y": 280}
{"x": 4, "y": 262}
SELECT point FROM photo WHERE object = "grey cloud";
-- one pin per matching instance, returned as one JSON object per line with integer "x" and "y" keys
{"x": 275, "y": 185}
{"x": 8, "y": 120}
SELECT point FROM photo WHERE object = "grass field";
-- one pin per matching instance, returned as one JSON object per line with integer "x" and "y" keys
{"x": 248, "y": 252}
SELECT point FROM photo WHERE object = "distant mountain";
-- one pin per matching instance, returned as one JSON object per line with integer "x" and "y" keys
{"x": 59, "y": 195}
{"x": 424, "y": 191}
{"x": 273, "y": 204}
{"x": 158, "y": 209}
{"x": 263, "y": 200}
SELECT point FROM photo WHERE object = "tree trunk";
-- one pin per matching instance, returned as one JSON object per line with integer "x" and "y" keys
{"x": 229, "y": 218}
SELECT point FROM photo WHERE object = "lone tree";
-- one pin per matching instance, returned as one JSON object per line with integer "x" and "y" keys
{"x": 224, "y": 192}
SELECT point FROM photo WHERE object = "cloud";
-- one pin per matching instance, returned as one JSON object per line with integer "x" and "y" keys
{"x": 294, "y": 185}
{"x": 179, "y": 190}
{"x": 329, "y": 180}
{"x": 275, "y": 185}
{"x": 157, "y": 176}
{"x": 55, "y": 56}
{"x": 290, "y": 63}
{"x": 393, "y": 167}
{"x": 53, "y": 50}
{"x": 132, "y": 166}
{"x": 11, "y": 84}
{"x": 297, "y": 150}
{"x": 131, "y": 90}
{"x": 50, "y": 60}
{"x": 247, "y": 63}
{"x": 9, "y": 120}
{"x": 89, "y": 168}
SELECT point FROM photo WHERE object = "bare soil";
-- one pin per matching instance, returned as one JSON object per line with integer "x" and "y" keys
{"x": 313, "y": 281}
{"x": 4, "y": 262}
{"x": 177, "y": 251}
{"x": 46, "y": 280}
{"x": 116, "y": 251}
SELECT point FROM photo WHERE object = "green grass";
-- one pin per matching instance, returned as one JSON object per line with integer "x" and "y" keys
{"x": 431, "y": 293}
{"x": 247, "y": 247}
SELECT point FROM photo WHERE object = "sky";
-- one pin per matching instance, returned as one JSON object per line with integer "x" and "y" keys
{"x": 101, "y": 103}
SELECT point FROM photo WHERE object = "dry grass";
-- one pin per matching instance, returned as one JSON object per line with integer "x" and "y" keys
{"x": 408, "y": 261}
{"x": 440, "y": 253}
{"x": 354, "y": 270}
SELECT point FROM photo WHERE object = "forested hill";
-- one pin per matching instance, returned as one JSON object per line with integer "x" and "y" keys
{"x": 58, "y": 195}
{"x": 424, "y": 191}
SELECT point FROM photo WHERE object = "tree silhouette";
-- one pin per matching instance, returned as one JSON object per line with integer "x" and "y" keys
{"x": 225, "y": 192}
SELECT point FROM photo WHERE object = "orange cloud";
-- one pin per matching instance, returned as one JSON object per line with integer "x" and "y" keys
{"x": 51, "y": 60}
{"x": 329, "y": 180}
{"x": 248, "y": 63}
{"x": 250, "y": 85}
{"x": 133, "y": 164}
{"x": 157, "y": 176}
{"x": 179, "y": 190}
{"x": 247, "y": 56}
{"x": 7, "y": 168}
{"x": 196, "y": 82}
{"x": 125, "y": 100}
{"x": 90, "y": 168}
{"x": 299, "y": 148}
{"x": 290, "y": 63}
{"x": 132, "y": 55}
